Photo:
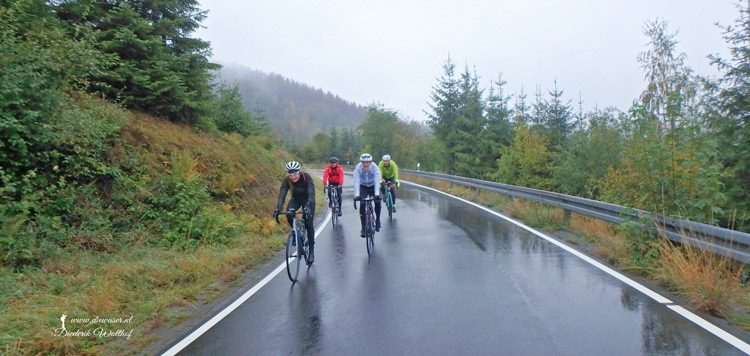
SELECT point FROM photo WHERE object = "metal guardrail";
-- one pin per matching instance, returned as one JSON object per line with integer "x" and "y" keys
{"x": 724, "y": 242}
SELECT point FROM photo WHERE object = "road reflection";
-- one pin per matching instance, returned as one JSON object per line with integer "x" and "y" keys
{"x": 305, "y": 316}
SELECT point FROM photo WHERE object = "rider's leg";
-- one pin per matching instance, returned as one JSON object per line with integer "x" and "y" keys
{"x": 362, "y": 218}
{"x": 364, "y": 192}
{"x": 393, "y": 191}
{"x": 310, "y": 227}
{"x": 292, "y": 205}
{"x": 377, "y": 215}
{"x": 338, "y": 196}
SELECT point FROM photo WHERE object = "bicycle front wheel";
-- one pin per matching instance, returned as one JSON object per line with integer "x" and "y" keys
{"x": 370, "y": 236}
{"x": 389, "y": 204}
{"x": 293, "y": 259}
{"x": 335, "y": 212}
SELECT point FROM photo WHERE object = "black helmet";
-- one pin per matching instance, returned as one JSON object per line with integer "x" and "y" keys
{"x": 334, "y": 160}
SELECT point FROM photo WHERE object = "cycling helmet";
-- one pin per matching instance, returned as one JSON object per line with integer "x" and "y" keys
{"x": 386, "y": 158}
{"x": 292, "y": 167}
{"x": 334, "y": 160}
{"x": 365, "y": 158}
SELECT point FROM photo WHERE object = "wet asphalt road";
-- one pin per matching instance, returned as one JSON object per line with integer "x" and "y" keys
{"x": 449, "y": 279}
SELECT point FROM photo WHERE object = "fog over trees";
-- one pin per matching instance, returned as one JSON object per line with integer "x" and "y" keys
{"x": 295, "y": 111}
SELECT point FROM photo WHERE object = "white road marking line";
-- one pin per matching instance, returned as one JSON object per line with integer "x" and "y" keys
{"x": 713, "y": 329}
{"x": 230, "y": 308}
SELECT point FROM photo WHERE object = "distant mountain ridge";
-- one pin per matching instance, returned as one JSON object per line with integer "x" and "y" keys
{"x": 295, "y": 111}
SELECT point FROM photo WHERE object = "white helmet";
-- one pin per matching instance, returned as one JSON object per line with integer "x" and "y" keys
{"x": 292, "y": 167}
{"x": 365, "y": 157}
{"x": 386, "y": 158}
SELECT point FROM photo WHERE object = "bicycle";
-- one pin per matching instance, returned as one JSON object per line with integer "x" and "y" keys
{"x": 296, "y": 243}
{"x": 335, "y": 209}
{"x": 388, "y": 186}
{"x": 369, "y": 223}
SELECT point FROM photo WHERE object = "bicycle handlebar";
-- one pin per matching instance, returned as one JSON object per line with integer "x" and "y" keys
{"x": 368, "y": 198}
{"x": 392, "y": 185}
{"x": 290, "y": 213}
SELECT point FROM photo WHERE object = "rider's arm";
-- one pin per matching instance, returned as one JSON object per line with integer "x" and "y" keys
{"x": 357, "y": 172}
{"x": 282, "y": 193}
{"x": 310, "y": 191}
{"x": 377, "y": 180}
{"x": 325, "y": 175}
{"x": 395, "y": 169}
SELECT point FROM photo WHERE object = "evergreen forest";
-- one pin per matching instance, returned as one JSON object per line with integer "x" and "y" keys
{"x": 294, "y": 111}
{"x": 682, "y": 149}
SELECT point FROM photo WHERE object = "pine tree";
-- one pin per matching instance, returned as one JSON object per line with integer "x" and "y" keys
{"x": 498, "y": 131}
{"x": 521, "y": 110}
{"x": 732, "y": 126}
{"x": 539, "y": 111}
{"x": 445, "y": 103}
{"x": 557, "y": 125}
{"x": 231, "y": 115}
{"x": 158, "y": 68}
{"x": 469, "y": 124}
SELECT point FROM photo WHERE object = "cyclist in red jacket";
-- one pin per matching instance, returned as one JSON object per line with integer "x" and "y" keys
{"x": 335, "y": 175}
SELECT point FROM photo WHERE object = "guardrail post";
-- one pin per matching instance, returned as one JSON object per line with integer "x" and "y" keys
{"x": 566, "y": 217}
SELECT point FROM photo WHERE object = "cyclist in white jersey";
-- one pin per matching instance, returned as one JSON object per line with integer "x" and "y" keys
{"x": 366, "y": 178}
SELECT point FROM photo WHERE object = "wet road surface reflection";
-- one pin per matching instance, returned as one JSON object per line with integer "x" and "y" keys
{"x": 447, "y": 278}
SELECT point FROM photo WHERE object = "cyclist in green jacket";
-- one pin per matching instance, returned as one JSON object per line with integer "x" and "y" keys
{"x": 389, "y": 173}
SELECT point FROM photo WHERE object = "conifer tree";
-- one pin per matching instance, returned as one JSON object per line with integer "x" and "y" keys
{"x": 521, "y": 110}
{"x": 557, "y": 125}
{"x": 731, "y": 126}
{"x": 539, "y": 111}
{"x": 445, "y": 103}
{"x": 498, "y": 131}
{"x": 469, "y": 124}
{"x": 158, "y": 68}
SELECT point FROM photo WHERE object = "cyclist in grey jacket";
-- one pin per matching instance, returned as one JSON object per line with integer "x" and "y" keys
{"x": 366, "y": 178}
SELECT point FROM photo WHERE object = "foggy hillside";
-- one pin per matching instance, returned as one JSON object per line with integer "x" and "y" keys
{"x": 295, "y": 111}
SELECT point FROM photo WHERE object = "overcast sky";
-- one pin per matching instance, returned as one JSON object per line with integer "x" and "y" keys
{"x": 392, "y": 51}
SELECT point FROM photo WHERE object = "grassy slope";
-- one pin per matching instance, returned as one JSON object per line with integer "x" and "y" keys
{"x": 130, "y": 271}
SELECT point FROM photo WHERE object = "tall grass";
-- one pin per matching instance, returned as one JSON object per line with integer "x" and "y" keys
{"x": 711, "y": 283}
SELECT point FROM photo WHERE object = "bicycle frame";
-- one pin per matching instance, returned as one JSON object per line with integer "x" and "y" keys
{"x": 296, "y": 246}
{"x": 333, "y": 193}
{"x": 388, "y": 197}
{"x": 369, "y": 223}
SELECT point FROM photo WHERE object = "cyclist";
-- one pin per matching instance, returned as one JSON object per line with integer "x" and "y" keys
{"x": 303, "y": 195}
{"x": 366, "y": 176}
{"x": 334, "y": 175}
{"x": 389, "y": 171}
